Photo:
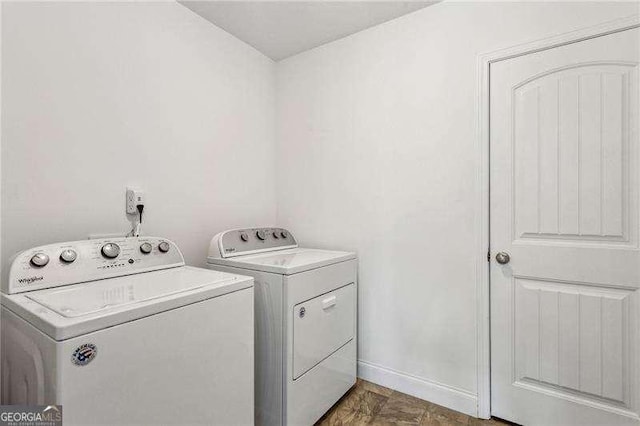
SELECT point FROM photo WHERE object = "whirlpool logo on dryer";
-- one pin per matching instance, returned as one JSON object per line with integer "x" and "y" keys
{"x": 29, "y": 280}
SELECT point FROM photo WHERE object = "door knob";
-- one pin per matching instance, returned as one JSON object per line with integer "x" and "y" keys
{"x": 503, "y": 258}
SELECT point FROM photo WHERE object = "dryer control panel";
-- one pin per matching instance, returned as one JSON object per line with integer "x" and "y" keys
{"x": 238, "y": 242}
{"x": 56, "y": 265}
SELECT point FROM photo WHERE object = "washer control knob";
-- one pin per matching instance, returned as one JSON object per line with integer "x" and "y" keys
{"x": 164, "y": 246}
{"x": 283, "y": 234}
{"x": 39, "y": 260}
{"x": 68, "y": 256}
{"x": 244, "y": 237}
{"x": 146, "y": 248}
{"x": 275, "y": 235}
{"x": 110, "y": 250}
{"x": 260, "y": 234}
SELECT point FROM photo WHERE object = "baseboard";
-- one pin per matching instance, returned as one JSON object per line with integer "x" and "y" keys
{"x": 447, "y": 396}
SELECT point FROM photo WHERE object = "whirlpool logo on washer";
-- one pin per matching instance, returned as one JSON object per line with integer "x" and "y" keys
{"x": 84, "y": 354}
{"x": 29, "y": 280}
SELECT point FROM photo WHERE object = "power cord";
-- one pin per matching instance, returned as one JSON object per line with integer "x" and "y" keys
{"x": 140, "y": 208}
{"x": 135, "y": 232}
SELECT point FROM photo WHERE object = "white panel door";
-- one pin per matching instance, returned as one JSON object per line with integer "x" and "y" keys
{"x": 564, "y": 205}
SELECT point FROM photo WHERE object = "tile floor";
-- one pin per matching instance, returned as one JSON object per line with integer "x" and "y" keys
{"x": 370, "y": 404}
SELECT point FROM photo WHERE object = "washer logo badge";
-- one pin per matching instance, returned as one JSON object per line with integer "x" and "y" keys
{"x": 84, "y": 354}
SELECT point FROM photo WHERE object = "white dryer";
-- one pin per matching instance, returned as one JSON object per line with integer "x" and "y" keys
{"x": 122, "y": 332}
{"x": 305, "y": 308}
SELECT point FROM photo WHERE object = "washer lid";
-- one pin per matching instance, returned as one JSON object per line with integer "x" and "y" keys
{"x": 286, "y": 262}
{"x": 82, "y": 308}
{"x": 76, "y": 301}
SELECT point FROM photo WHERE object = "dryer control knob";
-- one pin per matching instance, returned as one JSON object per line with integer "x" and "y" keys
{"x": 39, "y": 260}
{"x": 260, "y": 234}
{"x": 164, "y": 246}
{"x": 275, "y": 235}
{"x": 283, "y": 234}
{"x": 68, "y": 256}
{"x": 244, "y": 237}
{"x": 146, "y": 248}
{"x": 110, "y": 250}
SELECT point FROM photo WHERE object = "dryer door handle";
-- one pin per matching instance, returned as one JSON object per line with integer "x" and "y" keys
{"x": 328, "y": 302}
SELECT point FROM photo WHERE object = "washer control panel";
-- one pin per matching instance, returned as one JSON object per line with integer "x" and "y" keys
{"x": 253, "y": 240}
{"x": 74, "y": 262}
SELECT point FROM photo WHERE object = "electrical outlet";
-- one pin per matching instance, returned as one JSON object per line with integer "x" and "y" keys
{"x": 134, "y": 197}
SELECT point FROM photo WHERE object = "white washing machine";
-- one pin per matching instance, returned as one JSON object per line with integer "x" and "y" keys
{"x": 305, "y": 307}
{"x": 122, "y": 332}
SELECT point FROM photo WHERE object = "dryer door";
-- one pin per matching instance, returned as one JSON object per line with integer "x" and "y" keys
{"x": 321, "y": 326}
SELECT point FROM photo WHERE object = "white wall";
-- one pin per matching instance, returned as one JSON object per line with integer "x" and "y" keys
{"x": 103, "y": 95}
{"x": 378, "y": 153}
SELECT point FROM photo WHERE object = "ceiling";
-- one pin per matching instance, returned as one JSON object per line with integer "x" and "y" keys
{"x": 280, "y": 29}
